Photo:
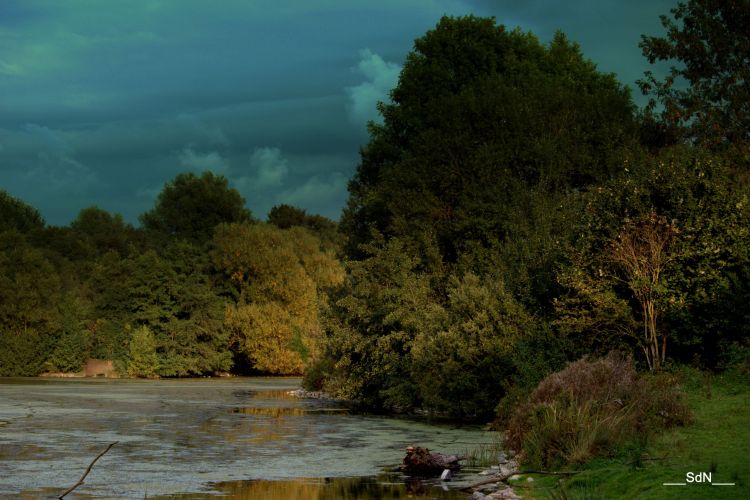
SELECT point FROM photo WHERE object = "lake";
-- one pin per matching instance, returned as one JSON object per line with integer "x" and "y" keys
{"x": 207, "y": 438}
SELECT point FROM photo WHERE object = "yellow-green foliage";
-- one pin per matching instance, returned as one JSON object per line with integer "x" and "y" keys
{"x": 265, "y": 333}
{"x": 143, "y": 360}
{"x": 279, "y": 276}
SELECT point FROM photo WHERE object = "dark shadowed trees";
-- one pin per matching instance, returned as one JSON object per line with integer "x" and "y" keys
{"x": 15, "y": 214}
{"x": 190, "y": 207}
{"x": 481, "y": 118}
{"x": 706, "y": 92}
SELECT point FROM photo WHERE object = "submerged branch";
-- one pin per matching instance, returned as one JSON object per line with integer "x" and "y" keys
{"x": 80, "y": 481}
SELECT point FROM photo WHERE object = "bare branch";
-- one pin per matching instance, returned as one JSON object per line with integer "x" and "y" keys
{"x": 80, "y": 481}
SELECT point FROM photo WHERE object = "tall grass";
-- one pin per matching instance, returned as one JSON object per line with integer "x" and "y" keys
{"x": 484, "y": 455}
{"x": 592, "y": 408}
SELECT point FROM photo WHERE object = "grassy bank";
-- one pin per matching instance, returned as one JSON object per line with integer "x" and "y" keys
{"x": 717, "y": 442}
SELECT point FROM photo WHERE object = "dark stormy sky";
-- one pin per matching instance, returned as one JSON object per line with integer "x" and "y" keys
{"x": 103, "y": 101}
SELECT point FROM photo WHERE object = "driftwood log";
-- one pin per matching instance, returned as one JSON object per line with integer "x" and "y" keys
{"x": 421, "y": 462}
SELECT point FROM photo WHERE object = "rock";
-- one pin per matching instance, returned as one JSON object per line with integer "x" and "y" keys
{"x": 447, "y": 475}
{"x": 477, "y": 495}
{"x": 506, "y": 494}
{"x": 529, "y": 479}
{"x": 515, "y": 477}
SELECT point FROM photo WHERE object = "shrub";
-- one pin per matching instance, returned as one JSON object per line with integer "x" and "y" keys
{"x": 592, "y": 408}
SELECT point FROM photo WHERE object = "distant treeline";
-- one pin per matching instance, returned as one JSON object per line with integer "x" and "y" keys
{"x": 200, "y": 288}
{"x": 513, "y": 212}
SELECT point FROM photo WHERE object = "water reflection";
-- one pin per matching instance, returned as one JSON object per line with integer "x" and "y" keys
{"x": 363, "y": 488}
{"x": 289, "y": 412}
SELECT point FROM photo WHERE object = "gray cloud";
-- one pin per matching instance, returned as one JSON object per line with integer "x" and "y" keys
{"x": 203, "y": 161}
{"x": 269, "y": 169}
{"x": 380, "y": 77}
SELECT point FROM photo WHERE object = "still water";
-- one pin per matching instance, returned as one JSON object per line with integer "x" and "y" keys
{"x": 198, "y": 438}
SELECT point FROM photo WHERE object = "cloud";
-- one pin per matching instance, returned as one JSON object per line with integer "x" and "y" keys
{"x": 201, "y": 162}
{"x": 269, "y": 168}
{"x": 55, "y": 168}
{"x": 318, "y": 192}
{"x": 380, "y": 77}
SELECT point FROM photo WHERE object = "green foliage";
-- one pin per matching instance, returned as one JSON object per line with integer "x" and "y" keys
{"x": 190, "y": 207}
{"x": 17, "y": 215}
{"x": 481, "y": 116}
{"x": 173, "y": 296}
{"x": 286, "y": 216}
{"x": 399, "y": 344}
{"x": 698, "y": 196}
{"x": 101, "y": 231}
{"x": 70, "y": 349}
{"x": 373, "y": 326}
{"x": 708, "y": 43}
{"x": 29, "y": 293}
{"x": 143, "y": 361}
{"x": 461, "y": 368}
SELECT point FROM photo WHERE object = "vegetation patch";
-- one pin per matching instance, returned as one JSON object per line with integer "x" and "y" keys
{"x": 715, "y": 442}
{"x": 593, "y": 408}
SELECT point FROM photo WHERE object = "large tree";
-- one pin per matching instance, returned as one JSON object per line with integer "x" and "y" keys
{"x": 707, "y": 89}
{"x": 482, "y": 118}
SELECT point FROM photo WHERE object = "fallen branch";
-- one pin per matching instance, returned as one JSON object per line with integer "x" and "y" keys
{"x": 504, "y": 477}
{"x": 80, "y": 481}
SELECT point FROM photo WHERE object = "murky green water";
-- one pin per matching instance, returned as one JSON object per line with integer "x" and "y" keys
{"x": 232, "y": 438}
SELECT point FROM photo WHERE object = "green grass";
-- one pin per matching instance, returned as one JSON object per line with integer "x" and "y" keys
{"x": 483, "y": 455}
{"x": 718, "y": 441}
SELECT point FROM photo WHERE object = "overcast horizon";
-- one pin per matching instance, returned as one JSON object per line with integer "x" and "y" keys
{"x": 103, "y": 102}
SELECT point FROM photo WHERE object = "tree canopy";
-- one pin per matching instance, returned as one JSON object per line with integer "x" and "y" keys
{"x": 15, "y": 214}
{"x": 482, "y": 117}
{"x": 190, "y": 207}
{"x": 706, "y": 91}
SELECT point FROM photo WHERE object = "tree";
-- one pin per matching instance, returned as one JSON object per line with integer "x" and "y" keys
{"x": 706, "y": 92}
{"x": 626, "y": 265}
{"x": 278, "y": 281}
{"x": 482, "y": 117}
{"x": 173, "y": 296}
{"x": 286, "y": 216}
{"x": 102, "y": 231}
{"x": 190, "y": 207}
{"x": 641, "y": 251}
{"x": 143, "y": 361}
{"x": 30, "y": 290}
{"x": 15, "y": 214}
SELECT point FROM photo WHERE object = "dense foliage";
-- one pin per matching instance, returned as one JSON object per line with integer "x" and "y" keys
{"x": 512, "y": 213}
{"x": 166, "y": 299}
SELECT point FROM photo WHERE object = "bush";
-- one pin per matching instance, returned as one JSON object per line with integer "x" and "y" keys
{"x": 593, "y": 408}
